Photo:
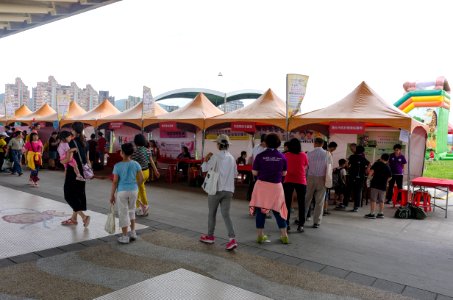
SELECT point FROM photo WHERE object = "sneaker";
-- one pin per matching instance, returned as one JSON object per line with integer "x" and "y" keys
{"x": 380, "y": 216}
{"x": 296, "y": 222}
{"x": 315, "y": 225}
{"x": 231, "y": 245}
{"x": 80, "y": 178}
{"x": 132, "y": 235}
{"x": 138, "y": 212}
{"x": 207, "y": 239}
{"x": 123, "y": 239}
{"x": 325, "y": 213}
{"x": 370, "y": 216}
{"x": 354, "y": 210}
{"x": 388, "y": 202}
{"x": 262, "y": 239}
{"x": 284, "y": 240}
{"x": 300, "y": 229}
{"x": 20, "y": 174}
{"x": 340, "y": 207}
{"x": 308, "y": 219}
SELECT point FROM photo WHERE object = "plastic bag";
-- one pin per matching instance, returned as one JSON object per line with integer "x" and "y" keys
{"x": 110, "y": 223}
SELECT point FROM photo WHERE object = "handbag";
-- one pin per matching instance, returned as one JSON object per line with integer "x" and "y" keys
{"x": 210, "y": 181}
{"x": 110, "y": 223}
{"x": 329, "y": 174}
{"x": 86, "y": 168}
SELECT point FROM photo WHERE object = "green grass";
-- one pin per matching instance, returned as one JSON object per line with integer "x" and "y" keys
{"x": 439, "y": 169}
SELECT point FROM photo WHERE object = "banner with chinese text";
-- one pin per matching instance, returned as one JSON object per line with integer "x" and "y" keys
{"x": 148, "y": 100}
{"x": 295, "y": 92}
{"x": 347, "y": 127}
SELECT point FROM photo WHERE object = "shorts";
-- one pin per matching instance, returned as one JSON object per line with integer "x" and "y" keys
{"x": 339, "y": 190}
{"x": 53, "y": 155}
{"x": 377, "y": 195}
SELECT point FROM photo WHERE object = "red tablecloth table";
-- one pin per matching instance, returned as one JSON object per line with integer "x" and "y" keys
{"x": 445, "y": 185}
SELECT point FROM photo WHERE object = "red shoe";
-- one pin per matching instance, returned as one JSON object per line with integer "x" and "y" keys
{"x": 231, "y": 245}
{"x": 208, "y": 239}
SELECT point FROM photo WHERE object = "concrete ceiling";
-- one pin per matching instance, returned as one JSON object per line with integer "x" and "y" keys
{"x": 20, "y": 15}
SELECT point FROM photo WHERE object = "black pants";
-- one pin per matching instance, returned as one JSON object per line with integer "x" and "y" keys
{"x": 355, "y": 186}
{"x": 399, "y": 183}
{"x": 251, "y": 186}
{"x": 301, "y": 189}
{"x": 2, "y": 159}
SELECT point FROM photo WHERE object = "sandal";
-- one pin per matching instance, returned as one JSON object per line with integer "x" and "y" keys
{"x": 69, "y": 222}
{"x": 86, "y": 221}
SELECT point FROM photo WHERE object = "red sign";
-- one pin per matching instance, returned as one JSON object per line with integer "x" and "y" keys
{"x": 116, "y": 125}
{"x": 243, "y": 126}
{"x": 347, "y": 127}
{"x": 168, "y": 126}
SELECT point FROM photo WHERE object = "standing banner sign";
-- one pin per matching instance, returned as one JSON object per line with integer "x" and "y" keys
{"x": 62, "y": 105}
{"x": 296, "y": 86}
{"x": 147, "y": 100}
{"x": 9, "y": 110}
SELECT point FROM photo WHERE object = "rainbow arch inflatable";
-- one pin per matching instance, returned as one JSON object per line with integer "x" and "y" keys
{"x": 423, "y": 98}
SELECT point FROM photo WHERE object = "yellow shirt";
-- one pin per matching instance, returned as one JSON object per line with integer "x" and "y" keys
{"x": 2, "y": 144}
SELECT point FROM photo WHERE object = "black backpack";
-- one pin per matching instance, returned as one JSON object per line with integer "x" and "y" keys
{"x": 417, "y": 212}
{"x": 403, "y": 212}
{"x": 336, "y": 178}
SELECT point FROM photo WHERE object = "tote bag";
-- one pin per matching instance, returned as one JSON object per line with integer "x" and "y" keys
{"x": 329, "y": 173}
{"x": 110, "y": 223}
{"x": 210, "y": 182}
{"x": 86, "y": 168}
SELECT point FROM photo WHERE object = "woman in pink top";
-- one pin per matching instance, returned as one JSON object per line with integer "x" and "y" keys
{"x": 296, "y": 179}
{"x": 33, "y": 155}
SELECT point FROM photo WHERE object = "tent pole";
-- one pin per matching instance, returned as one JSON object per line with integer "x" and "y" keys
{"x": 287, "y": 120}
{"x": 408, "y": 164}
{"x": 203, "y": 137}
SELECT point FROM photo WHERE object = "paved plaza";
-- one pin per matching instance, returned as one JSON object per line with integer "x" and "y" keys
{"x": 348, "y": 257}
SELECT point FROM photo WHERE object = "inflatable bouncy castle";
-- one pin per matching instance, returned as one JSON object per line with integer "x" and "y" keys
{"x": 429, "y": 103}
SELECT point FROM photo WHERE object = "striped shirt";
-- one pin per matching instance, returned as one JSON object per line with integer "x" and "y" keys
{"x": 317, "y": 162}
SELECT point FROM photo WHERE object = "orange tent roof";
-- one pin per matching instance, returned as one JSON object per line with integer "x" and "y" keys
{"x": 102, "y": 110}
{"x": 74, "y": 110}
{"x": 45, "y": 113}
{"x": 195, "y": 113}
{"x": 134, "y": 115}
{"x": 361, "y": 105}
{"x": 267, "y": 109}
{"x": 23, "y": 110}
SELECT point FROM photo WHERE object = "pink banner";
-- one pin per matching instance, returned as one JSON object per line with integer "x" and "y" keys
{"x": 243, "y": 126}
{"x": 347, "y": 127}
{"x": 168, "y": 126}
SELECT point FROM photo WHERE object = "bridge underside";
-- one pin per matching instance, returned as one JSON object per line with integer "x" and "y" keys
{"x": 20, "y": 15}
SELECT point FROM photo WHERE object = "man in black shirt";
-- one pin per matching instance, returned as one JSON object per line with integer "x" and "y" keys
{"x": 358, "y": 166}
{"x": 380, "y": 171}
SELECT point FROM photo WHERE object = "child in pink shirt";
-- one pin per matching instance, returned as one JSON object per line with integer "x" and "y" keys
{"x": 64, "y": 150}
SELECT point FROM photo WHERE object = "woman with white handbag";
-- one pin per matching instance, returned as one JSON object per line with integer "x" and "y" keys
{"x": 219, "y": 184}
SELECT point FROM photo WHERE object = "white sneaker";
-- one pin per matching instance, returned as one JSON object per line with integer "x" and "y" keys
{"x": 132, "y": 236}
{"x": 123, "y": 239}
{"x": 138, "y": 212}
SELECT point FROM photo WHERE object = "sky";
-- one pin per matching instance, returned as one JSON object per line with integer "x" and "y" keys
{"x": 168, "y": 45}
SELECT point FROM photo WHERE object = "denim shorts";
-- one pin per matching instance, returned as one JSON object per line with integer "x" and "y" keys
{"x": 53, "y": 155}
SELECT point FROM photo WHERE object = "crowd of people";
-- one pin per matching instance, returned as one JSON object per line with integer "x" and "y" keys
{"x": 277, "y": 179}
